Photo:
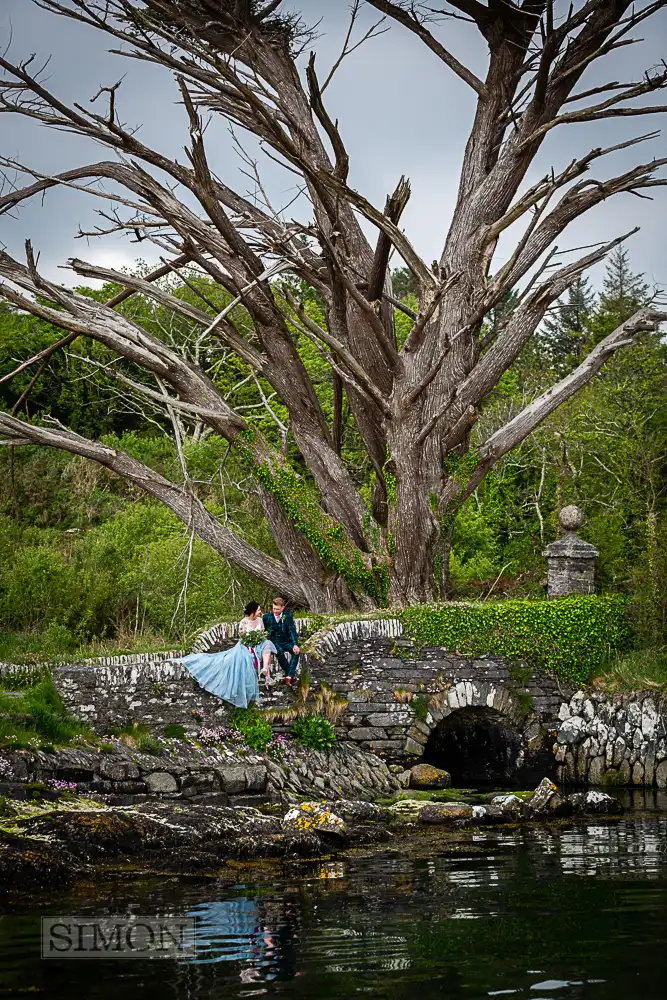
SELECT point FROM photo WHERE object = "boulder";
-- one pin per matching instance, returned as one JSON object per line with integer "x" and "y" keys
{"x": 508, "y": 808}
{"x": 358, "y": 811}
{"x": 594, "y": 803}
{"x": 445, "y": 812}
{"x": 427, "y": 776}
{"x": 540, "y": 798}
{"x": 406, "y": 811}
{"x": 546, "y": 801}
{"x": 313, "y": 817}
{"x": 161, "y": 782}
{"x": 232, "y": 779}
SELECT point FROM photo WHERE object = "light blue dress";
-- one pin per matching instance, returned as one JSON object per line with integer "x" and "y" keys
{"x": 230, "y": 675}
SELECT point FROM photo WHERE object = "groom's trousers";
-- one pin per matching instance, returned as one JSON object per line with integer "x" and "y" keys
{"x": 288, "y": 668}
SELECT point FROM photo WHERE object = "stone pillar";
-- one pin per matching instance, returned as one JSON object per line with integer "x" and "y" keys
{"x": 571, "y": 560}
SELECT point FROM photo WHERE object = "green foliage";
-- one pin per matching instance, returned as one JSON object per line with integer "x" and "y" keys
{"x": 301, "y": 504}
{"x": 314, "y": 732}
{"x": 37, "y": 715}
{"x": 34, "y": 790}
{"x": 571, "y": 637}
{"x": 6, "y": 808}
{"x": 175, "y": 731}
{"x": 87, "y": 564}
{"x": 257, "y": 732}
{"x": 134, "y": 729}
{"x": 148, "y": 744}
{"x": 419, "y": 706}
{"x": 636, "y": 670}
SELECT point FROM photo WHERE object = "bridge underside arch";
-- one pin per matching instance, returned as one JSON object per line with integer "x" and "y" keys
{"x": 478, "y": 746}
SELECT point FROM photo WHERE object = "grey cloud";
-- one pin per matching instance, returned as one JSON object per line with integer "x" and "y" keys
{"x": 401, "y": 112}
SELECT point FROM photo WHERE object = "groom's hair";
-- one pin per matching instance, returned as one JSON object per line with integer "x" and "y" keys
{"x": 278, "y": 600}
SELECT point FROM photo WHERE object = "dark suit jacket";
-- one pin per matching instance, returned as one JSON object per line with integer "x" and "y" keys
{"x": 284, "y": 631}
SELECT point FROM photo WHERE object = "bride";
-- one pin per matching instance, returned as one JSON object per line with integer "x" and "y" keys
{"x": 233, "y": 675}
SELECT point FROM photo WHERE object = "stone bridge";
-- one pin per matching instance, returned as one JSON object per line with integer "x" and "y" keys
{"x": 484, "y": 719}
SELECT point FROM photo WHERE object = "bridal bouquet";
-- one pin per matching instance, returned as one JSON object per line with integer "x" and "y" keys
{"x": 253, "y": 638}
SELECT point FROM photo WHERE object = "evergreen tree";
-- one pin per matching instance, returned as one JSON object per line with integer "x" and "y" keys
{"x": 622, "y": 291}
{"x": 404, "y": 282}
{"x": 564, "y": 332}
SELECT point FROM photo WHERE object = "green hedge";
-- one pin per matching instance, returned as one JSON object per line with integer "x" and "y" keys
{"x": 571, "y": 637}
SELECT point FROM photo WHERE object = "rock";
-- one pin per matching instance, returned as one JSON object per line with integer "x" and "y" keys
{"x": 661, "y": 775}
{"x": 232, "y": 779}
{"x": 358, "y": 811}
{"x": 445, "y": 812}
{"x": 313, "y": 817}
{"x": 367, "y": 733}
{"x": 403, "y": 778}
{"x": 427, "y": 776}
{"x": 413, "y": 748}
{"x": 571, "y": 731}
{"x": 36, "y": 864}
{"x": 509, "y": 808}
{"x": 542, "y": 795}
{"x": 255, "y": 779}
{"x": 547, "y": 802}
{"x": 596, "y": 770}
{"x": 161, "y": 782}
{"x": 113, "y": 770}
{"x": 594, "y": 803}
{"x": 405, "y": 811}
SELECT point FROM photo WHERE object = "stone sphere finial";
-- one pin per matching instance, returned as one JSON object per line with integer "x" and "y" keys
{"x": 571, "y": 517}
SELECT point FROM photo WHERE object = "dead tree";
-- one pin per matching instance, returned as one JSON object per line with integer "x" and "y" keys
{"x": 414, "y": 404}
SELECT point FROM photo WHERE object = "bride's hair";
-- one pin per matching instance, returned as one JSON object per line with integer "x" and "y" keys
{"x": 250, "y": 608}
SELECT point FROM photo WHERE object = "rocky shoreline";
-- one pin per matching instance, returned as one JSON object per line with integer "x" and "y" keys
{"x": 224, "y": 774}
{"x": 77, "y": 813}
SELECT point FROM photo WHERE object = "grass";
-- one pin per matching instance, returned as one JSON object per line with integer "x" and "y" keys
{"x": 636, "y": 670}
{"x": 35, "y": 716}
{"x": 470, "y": 795}
{"x": 54, "y": 645}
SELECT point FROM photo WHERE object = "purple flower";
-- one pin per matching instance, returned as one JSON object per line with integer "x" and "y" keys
{"x": 62, "y": 786}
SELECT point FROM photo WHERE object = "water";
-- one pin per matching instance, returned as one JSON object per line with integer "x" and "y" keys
{"x": 572, "y": 913}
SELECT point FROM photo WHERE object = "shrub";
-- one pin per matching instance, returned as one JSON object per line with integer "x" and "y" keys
{"x": 38, "y": 717}
{"x": 148, "y": 744}
{"x": 314, "y": 732}
{"x": 34, "y": 790}
{"x": 571, "y": 637}
{"x": 174, "y": 731}
{"x": 256, "y": 731}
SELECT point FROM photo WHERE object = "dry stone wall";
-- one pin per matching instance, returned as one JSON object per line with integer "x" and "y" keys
{"x": 620, "y": 740}
{"x": 210, "y": 775}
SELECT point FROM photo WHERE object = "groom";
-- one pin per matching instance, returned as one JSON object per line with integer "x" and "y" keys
{"x": 279, "y": 623}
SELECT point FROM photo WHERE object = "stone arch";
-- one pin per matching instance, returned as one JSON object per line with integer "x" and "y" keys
{"x": 477, "y": 745}
{"x": 474, "y": 731}
{"x": 465, "y": 694}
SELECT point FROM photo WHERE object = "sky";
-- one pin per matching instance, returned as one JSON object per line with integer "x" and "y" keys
{"x": 401, "y": 112}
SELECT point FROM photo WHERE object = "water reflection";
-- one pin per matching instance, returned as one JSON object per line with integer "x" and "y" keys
{"x": 578, "y": 912}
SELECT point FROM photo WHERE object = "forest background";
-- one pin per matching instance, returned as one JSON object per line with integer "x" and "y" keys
{"x": 87, "y": 563}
